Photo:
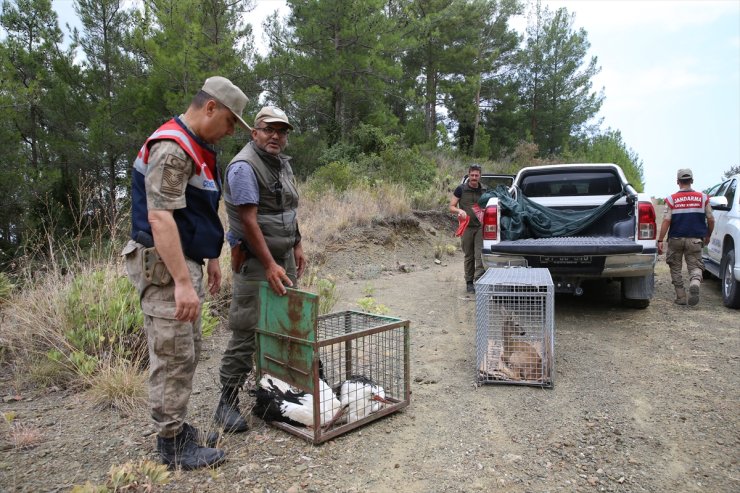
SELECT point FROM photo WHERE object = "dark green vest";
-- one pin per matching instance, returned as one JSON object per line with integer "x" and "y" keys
{"x": 276, "y": 211}
{"x": 469, "y": 197}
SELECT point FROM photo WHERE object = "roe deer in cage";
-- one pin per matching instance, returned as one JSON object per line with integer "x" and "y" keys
{"x": 521, "y": 357}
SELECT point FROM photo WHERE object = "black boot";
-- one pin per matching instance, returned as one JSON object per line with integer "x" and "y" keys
{"x": 227, "y": 413}
{"x": 181, "y": 450}
{"x": 210, "y": 438}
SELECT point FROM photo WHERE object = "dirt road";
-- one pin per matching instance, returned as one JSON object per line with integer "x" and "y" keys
{"x": 644, "y": 400}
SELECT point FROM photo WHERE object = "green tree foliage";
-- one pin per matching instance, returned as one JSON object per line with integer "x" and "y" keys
{"x": 373, "y": 87}
{"x": 734, "y": 170}
{"x": 442, "y": 42}
{"x": 556, "y": 80}
{"x": 608, "y": 147}
{"x": 104, "y": 77}
{"x": 474, "y": 85}
{"x": 180, "y": 43}
{"x": 37, "y": 127}
{"x": 338, "y": 47}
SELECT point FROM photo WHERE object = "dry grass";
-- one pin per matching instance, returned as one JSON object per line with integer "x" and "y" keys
{"x": 32, "y": 322}
{"x": 118, "y": 385}
{"x": 23, "y": 436}
{"x": 323, "y": 218}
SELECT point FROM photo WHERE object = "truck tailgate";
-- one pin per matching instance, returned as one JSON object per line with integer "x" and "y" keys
{"x": 568, "y": 246}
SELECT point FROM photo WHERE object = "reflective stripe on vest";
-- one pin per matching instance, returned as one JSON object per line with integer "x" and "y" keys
{"x": 205, "y": 165}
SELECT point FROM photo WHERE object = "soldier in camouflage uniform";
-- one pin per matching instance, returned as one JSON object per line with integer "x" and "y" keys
{"x": 261, "y": 198}
{"x": 175, "y": 228}
{"x": 688, "y": 221}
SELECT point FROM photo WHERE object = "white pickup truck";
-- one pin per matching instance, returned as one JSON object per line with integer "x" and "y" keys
{"x": 721, "y": 255}
{"x": 620, "y": 245}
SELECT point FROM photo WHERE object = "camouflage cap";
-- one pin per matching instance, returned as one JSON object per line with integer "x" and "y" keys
{"x": 226, "y": 93}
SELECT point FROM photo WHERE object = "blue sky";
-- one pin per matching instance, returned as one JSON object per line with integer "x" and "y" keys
{"x": 670, "y": 70}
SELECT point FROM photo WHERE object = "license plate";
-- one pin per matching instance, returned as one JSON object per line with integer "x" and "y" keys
{"x": 574, "y": 260}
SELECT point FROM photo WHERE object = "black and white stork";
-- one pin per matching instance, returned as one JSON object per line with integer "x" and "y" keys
{"x": 278, "y": 401}
{"x": 360, "y": 397}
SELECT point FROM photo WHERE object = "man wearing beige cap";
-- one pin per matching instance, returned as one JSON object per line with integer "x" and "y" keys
{"x": 175, "y": 229}
{"x": 261, "y": 199}
{"x": 688, "y": 221}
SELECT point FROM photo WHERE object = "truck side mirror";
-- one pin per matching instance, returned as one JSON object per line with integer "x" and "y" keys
{"x": 718, "y": 202}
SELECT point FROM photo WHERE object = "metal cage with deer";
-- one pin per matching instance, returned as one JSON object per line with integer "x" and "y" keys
{"x": 515, "y": 320}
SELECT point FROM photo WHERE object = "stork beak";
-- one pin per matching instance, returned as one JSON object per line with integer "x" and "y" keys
{"x": 380, "y": 399}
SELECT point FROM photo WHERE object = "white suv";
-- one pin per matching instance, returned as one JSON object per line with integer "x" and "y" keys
{"x": 721, "y": 255}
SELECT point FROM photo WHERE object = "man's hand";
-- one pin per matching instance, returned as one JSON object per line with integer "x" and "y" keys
{"x": 300, "y": 260}
{"x": 187, "y": 302}
{"x": 214, "y": 276}
{"x": 277, "y": 278}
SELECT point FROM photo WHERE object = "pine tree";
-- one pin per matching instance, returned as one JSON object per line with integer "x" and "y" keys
{"x": 556, "y": 80}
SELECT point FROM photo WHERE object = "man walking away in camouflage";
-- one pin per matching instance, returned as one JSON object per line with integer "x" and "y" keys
{"x": 175, "y": 228}
{"x": 689, "y": 222}
{"x": 261, "y": 200}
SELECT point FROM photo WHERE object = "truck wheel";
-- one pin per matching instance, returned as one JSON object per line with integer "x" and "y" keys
{"x": 730, "y": 287}
{"x": 637, "y": 291}
{"x": 640, "y": 304}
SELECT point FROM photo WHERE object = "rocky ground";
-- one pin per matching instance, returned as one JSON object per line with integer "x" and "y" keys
{"x": 643, "y": 400}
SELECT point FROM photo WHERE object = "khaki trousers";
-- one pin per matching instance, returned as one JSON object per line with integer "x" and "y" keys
{"x": 688, "y": 249}
{"x": 174, "y": 346}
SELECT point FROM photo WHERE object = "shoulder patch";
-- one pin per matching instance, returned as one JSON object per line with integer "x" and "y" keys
{"x": 174, "y": 176}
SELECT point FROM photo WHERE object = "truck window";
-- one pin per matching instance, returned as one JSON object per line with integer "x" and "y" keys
{"x": 576, "y": 183}
{"x": 730, "y": 193}
{"x": 493, "y": 181}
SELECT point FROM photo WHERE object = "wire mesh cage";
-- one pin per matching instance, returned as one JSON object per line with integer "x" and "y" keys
{"x": 515, "y": 327}
{"x": 347, "y": 368}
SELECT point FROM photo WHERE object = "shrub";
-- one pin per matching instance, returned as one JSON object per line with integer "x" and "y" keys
{"x": 409, "y": 167}
{"x": 325, "y": 288}
{"x": 102, "y": 317}
{"x": 368, "y": 304}
{"x": 341, "y": 151}
{"x": 337, "y": 175}
{"x": 443, "y": 249}
{"x": 370, "y": 138}
{"x": 209, "y": 321}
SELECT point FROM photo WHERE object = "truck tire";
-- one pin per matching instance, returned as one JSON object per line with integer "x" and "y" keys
{"x": 730, "y": 287}
{"x": 637, "y": 291}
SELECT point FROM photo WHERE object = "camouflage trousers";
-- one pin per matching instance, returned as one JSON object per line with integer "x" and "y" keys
{"x": 690, "y": 250}
{"x": 237, "y": 361}
{"x": 174, "y": 346}
{"x": 472, "y": 247}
